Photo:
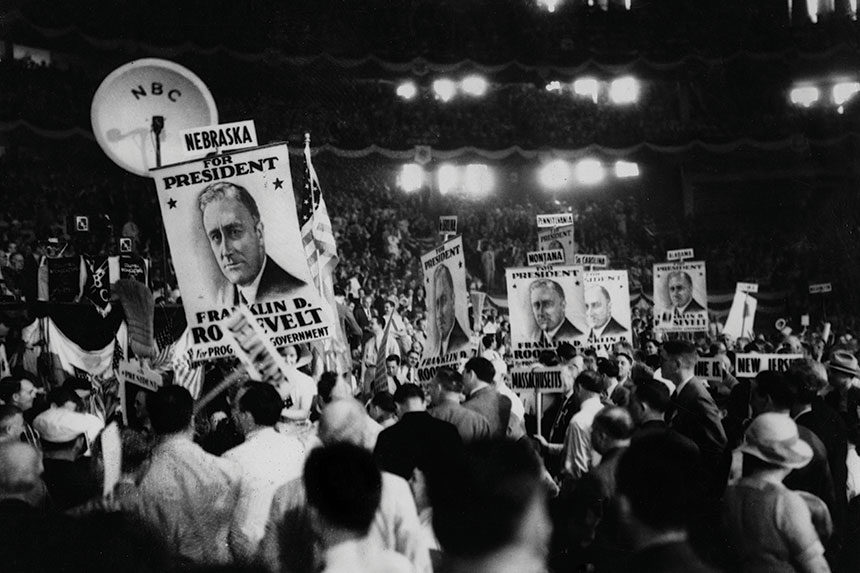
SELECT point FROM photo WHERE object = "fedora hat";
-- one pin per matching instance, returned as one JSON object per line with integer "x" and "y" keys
{"x": 844, "y": 362}
{"x": 773, "y": 438}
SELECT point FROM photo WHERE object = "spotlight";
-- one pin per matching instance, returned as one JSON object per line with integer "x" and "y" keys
{"x": 586, "y": 87}
{"x": 448, "y": 178}
{"x": 474, "y": 85}
{"x": 844, "y": 91}
{"x": 555, "y": 174}
{"x": 804, "y": 96}
{"x": 444, "y": 89}
{"x": 407, "y": 90}
{"x": 554, "y": 86}
{"x": 479, "y": 179}
{"x": 624, "y": 91}
{"x": 589, "y": 171}
{"x": 411, "y": 177}
{"x": 626, "y": 169}
{"x": 549, "y": 5}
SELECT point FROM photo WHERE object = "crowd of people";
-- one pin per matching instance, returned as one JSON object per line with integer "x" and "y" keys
{"x": 637, "y": 464}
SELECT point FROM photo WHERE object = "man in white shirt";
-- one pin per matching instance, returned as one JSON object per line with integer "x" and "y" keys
{"x": 578, "y": 454}
{"x": 268, "y": 459}
{"x": 344, "y": 490}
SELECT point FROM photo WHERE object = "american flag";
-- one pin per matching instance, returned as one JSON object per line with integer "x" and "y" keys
{"x": 317, "y": 236}
{"x": 321, "y": 253}
{"x": 380, "y": 378}
{"x": 174, "y": 355}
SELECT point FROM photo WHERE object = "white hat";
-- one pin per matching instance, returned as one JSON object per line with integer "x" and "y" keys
{"x": 60, "y": 425}
{"x": 773, "y": 438}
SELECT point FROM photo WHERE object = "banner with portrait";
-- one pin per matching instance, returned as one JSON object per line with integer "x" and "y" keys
{"x": 234, "y": 238}
{"x": 607, "y": 309}
{"x": 680, "y": 297}
{"x": 449, "y": 336}
{"x": 553, "y": 238}
{"x": 546, "y": 307}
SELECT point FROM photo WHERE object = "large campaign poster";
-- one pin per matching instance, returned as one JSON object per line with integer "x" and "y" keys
{"x": 546, "y": 307}
{"x": 552, "y": 238}
{"x": 449, "y": 336}
{"x": 680, "y": 297}
{"x": 234, "y": 239}
{"x": 607, "y": 309}
{"x": 136, "y": 382}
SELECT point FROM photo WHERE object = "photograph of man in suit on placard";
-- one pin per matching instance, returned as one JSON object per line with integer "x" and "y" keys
{"x": 598, "y": 313}
{"x": 234, "y": 229}
{"x": 451, "y": 336}
{"x": 680, "y": 289}
{"x": 548, "y": 305}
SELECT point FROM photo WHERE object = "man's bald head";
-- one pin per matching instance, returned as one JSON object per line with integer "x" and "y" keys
{"x": 20, "y": 472}
{"x": 344, "y": 420}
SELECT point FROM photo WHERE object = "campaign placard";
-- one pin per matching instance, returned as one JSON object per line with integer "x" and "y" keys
{"x": 820, "y": 288}
{"x": 741, "y": 320}
{"x": 750, "y": 288}
{"x": 448, "y": 225}
{"x": 449, "y": 336}
{"x": 607, "y": 309}
{"x": 593, "y": 261}
{"x": 680, "y": 297}
{"x": 136, "y": 381}
{"x": 234, "y": 238}
{"x": 552, "y": 238}
{"x": 556, "y": 220}
{"x": 546, "y": 307}
{"x": 546, "y": 379}
{"x": 710, "y": 369}
{"x": 545, "y": 258}
{"x": 64, "y": 279}
{"x": 749, "y": 365}
{"x": 679, "y": 254}
{"x": 199, "y": 141}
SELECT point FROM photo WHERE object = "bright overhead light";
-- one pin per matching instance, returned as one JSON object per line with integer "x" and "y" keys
{"x": 411, "y": 177}
{"x": 624, "y": 91}
{"x": 479, "y": 179}
{"x": 587, "y": 87}
{"x": 549, "y": 5}
{"x": 554, "y": 86}
{"x": 555, "y": 174}
{"x": 407, "y": 90}
{"x": 444, "y": 89}
{"x": 626, "y": 169}
{"x": 844, "y": 91}
{"x": 474, "y": 85}
{"x": 448, "y": 178}
{"x": 804, "y": 96}
{"x": 589, "y": 171}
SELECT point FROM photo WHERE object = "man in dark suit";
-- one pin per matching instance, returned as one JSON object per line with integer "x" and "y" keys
{"x": 598, "y": 314}
{"x": 451, "y": 336}
{"x": 548, "y": 306}
{"x": 233, "y": 226}
{"x": 444, "y": 393}
{"x": 417, "y": 439}
{"x": 483, "y": 398}
{"x": 680, "y": 286}
{"x": 658, "y": 484}
{"x": 695, "y": 415}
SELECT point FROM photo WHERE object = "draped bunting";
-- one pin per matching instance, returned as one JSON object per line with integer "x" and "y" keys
{"x": 421, "y": 66}
{"x": 726, "y": 147}
{"x": 70, "y": 356}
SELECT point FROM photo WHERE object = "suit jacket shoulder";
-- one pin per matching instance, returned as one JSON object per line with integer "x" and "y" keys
{"x": 567, "y": 330}
{"x": 458, "y": 338}
{"x": 614, "y": 327}
{"x": 276, "y": 282}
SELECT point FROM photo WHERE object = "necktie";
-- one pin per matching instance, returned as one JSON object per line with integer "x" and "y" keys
{"x": 544, "y": 339}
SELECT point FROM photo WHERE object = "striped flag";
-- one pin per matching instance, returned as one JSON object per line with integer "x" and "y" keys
{"x": 174, "y": 356}
{"x": 321, "y": 252}
{"x": 380, "y": 379}
{"x": 317, "y": 235}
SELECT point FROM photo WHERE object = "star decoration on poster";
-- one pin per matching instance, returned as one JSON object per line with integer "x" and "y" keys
{"x": 279, "y": 184}
{"x": 171, "y": 203}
